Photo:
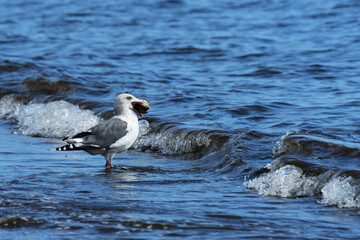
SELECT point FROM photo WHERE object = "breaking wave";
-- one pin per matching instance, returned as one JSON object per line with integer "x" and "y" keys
{"x": 293, "y": 173}
{"x": 315, "y": 143}
{"x": 170, "y": 139}
{"x": 50, "y": 120}
{"x": 289, "y": 181}
{"x": 215, "y": 150}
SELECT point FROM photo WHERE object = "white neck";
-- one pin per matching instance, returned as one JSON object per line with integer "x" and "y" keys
{"x": 128, "y": 114}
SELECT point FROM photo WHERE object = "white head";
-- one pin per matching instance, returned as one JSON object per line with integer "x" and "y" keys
{"x": 127, "y": 102}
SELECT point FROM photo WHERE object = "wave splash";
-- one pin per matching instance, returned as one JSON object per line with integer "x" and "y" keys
{"x": 290, "y": 182}
{"x": 286, "y": 182}
{"x": 50, "y": 120}
{"x": 339, "y": 192}
{"x": 290, "y": 175}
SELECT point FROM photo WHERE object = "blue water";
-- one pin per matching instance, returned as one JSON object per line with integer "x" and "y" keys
{"x": 252, "y": 133}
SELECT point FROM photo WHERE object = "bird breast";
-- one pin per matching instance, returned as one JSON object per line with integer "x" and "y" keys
{"x": 126, "y": 141}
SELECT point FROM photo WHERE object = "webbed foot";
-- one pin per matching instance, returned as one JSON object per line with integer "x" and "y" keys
{"x": 109, "y": 165}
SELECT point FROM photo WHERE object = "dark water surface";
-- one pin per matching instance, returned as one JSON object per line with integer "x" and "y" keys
{"x": 253, "y": 130}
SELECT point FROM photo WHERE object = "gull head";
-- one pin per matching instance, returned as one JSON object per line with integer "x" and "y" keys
{"x": 125, "y": 102}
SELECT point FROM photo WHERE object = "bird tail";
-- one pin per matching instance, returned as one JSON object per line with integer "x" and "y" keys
{"x": 68, "y": 147}
{"x": 78, "y": 146}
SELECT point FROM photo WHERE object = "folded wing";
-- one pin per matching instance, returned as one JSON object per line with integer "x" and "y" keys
{"x": 99, "y": 137}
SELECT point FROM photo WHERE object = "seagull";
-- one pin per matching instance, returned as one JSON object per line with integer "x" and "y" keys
{"x": 114, "y": 135}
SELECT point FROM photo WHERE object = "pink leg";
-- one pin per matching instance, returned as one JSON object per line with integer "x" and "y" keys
{"x": 108, "y": 158}
{"x": 108, "y": 164}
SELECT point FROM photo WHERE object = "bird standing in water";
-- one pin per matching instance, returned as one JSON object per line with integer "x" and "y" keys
{"x": 114, "y": 135}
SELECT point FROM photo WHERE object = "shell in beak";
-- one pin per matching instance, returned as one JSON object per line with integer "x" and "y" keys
{"x": 141, "y": 107}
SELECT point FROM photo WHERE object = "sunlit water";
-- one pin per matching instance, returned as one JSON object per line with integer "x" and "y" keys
{"x": 252, "y": 133}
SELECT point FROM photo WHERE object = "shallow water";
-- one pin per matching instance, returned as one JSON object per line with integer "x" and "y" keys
{"x": 252, "y": 131}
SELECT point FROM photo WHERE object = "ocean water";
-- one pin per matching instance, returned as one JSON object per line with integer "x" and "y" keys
{"x": 253, "y": 131}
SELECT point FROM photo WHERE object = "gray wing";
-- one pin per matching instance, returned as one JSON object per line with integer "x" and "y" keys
{"x": 106, "y": 133}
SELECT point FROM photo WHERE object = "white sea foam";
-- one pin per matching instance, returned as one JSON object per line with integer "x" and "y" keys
{"x": 144, "y": 127}
{"x": 54, "y": 119}
{"x": 10, "y": 107}
{"x": 339, "y": 192}
{"x": 290, "y": 182}
{"x": 286, "y": 182}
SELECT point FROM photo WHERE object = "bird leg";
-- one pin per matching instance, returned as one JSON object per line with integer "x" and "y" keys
{"x": 108, "y": 158}
{"x": 108, "y": 164}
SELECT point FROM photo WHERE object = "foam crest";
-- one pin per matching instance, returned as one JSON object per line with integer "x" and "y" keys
{"x": 281, "y": 146}
{"x": 339, "y": 192}
{"x": 54, "y": 119}
{"x": 289, "y": 182}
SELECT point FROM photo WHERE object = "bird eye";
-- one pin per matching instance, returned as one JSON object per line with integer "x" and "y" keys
{"x": 129, "y": 98}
